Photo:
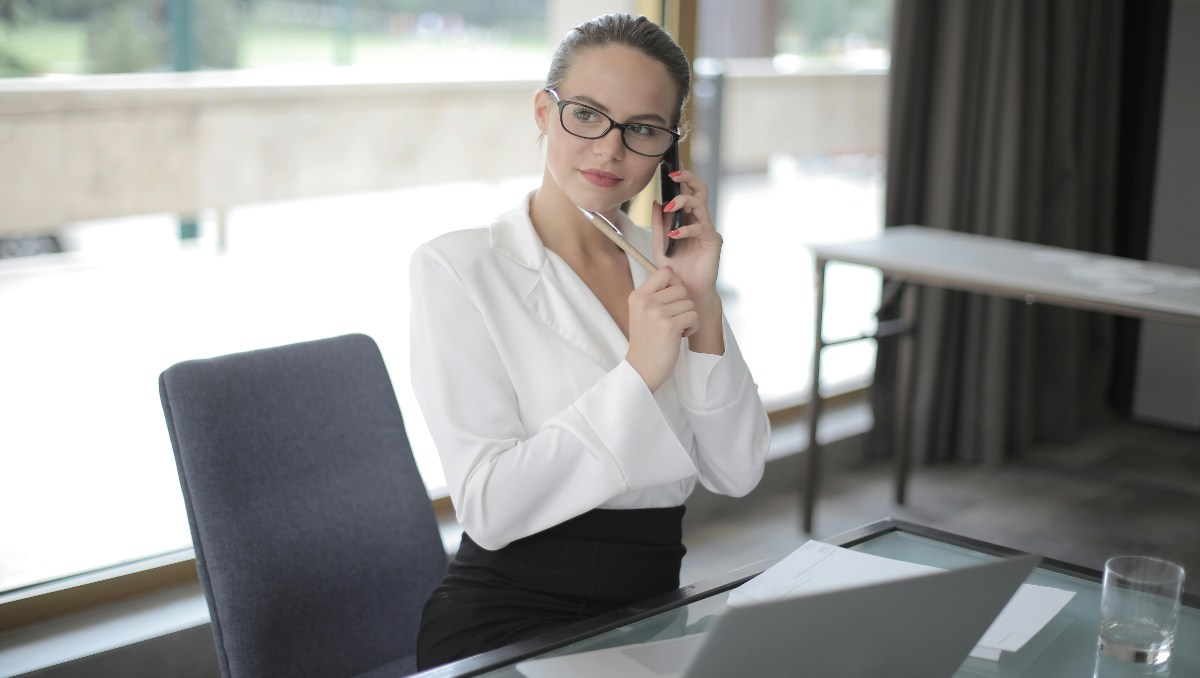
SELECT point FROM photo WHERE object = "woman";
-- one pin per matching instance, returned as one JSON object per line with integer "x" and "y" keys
{"x": 575, "y": 399}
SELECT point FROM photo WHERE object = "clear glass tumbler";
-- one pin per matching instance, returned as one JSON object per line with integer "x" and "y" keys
{"x": 1139, "y": 608}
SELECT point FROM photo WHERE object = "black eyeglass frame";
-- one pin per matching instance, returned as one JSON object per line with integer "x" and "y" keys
{"x": 612, "y": 124}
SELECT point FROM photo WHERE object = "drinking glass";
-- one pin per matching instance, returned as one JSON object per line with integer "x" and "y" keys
{"x": 1139, "y": 608}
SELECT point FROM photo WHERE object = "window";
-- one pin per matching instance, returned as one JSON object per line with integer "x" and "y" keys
{"x": 86, "y": 475}
{"x": 802, "y": 143}
{"x": 85, "y": 462}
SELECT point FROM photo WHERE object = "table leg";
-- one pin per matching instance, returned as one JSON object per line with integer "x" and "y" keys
{"x": 813, "y": 465}
{"x": 905, "y": 391}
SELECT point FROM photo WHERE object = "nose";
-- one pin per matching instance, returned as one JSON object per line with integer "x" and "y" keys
{"x": 611, "y": 145}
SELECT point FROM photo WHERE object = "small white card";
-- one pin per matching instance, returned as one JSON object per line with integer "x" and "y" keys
{"x": 1031, "y": 608}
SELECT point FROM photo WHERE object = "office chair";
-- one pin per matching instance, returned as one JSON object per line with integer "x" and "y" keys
{"x": 315, "y": 540}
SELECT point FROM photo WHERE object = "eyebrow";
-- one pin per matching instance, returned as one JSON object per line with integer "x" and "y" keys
{"x": 583, "y": 98}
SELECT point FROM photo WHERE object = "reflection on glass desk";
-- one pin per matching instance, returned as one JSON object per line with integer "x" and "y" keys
{"x": 1064, "y": 648}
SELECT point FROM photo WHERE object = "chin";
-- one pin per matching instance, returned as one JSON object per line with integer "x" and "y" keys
{"x": 600, "y": 202}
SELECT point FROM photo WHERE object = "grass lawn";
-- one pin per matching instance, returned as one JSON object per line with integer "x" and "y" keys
{"x": 46, "y": 47}
{"x": 267, "y": 45}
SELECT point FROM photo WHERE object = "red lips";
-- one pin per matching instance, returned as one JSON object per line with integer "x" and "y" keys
{"x": 600, "y": 178}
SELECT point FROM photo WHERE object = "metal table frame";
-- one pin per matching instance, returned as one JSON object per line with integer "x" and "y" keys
{"x": 915, "y": 255}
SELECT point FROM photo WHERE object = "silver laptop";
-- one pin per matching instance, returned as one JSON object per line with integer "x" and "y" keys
{"x": 918, "y": 627}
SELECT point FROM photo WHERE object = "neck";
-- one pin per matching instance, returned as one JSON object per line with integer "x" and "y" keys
{"x": 564, "y": 229}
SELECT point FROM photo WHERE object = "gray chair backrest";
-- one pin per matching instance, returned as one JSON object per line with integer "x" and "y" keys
{"x": 315, "y": 539}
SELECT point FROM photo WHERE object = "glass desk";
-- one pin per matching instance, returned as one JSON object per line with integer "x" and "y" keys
{"x": 1065, "y": 648}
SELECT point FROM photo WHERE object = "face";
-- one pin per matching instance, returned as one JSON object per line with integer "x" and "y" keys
{"x": 628, "y": 86}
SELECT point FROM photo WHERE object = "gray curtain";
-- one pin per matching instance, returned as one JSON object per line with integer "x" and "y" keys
{"x": 1004, "y": 122}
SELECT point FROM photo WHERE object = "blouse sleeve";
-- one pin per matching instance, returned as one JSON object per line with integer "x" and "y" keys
{"x": 507, "y": 482}
{"x": 727, "y": 418}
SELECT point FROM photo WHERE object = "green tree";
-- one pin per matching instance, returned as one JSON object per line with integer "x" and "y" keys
{"x": 8, "y": 12}
{"x": 217, "y": 34}
{"x": 125, "y": 38}
{"x": 12, "y": 65}
{"x": 71, "y": 10}
{"x": 128, "y": 36}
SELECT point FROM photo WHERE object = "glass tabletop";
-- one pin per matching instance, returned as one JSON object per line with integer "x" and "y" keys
{"x": 1064, "y": 648}
{"x": 1067, "y": 645}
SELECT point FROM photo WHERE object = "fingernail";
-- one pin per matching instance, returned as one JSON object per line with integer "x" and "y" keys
{"x": 674, "y": 233}
{"x": 669, "y": 206}
{"x": 675, "y": 173}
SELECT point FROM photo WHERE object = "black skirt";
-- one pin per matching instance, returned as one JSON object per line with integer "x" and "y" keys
{"x": 598, "y": 562}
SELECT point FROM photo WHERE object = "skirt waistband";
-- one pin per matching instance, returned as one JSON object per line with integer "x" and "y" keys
{"x": 648, "y": 527}
{"x": 605, "y": 557}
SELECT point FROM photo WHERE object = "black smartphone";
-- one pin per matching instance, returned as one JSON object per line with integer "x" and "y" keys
{"x": 670, "y": 191}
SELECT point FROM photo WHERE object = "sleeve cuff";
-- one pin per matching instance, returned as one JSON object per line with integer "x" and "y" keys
{"x": 709, "y": 382}
{"x": 628, "y": 422}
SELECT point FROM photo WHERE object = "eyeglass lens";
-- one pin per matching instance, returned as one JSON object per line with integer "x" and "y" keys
{"x": 589, "y": 123}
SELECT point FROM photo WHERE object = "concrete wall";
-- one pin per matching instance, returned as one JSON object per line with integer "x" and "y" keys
{"x": 108, "y": 146}
{"x": 122, "y": 145}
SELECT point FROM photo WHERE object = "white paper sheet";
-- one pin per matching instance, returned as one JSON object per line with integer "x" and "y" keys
{"x": 816, "y": 567}
{"x": 1031, "y": 608}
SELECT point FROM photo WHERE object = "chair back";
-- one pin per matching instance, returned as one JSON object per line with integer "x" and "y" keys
{"x": 315, "y": 539}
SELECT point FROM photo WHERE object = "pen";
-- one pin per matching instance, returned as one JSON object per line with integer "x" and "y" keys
{"x": 614, "y": 234}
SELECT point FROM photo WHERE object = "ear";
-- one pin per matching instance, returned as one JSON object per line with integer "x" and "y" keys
{"x": 541, "y": 110}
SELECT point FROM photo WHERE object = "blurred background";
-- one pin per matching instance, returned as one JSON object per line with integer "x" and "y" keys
{"x": 184, "y": 178}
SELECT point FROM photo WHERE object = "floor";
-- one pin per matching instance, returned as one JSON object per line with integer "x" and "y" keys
{"x": 1125, "y": 488}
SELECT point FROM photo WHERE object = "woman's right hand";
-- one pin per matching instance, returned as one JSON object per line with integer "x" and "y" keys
{"x": 660, "y": 314}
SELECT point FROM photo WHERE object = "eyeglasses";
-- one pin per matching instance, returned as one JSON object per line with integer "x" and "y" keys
{"x": 586, "y": 122}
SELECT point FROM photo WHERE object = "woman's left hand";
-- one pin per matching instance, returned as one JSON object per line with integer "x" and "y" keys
{"x": 695, "y": 259}
{"x": 697, "y": 244}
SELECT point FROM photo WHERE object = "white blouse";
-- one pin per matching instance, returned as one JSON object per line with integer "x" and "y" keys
{"x": 520, "y": 373}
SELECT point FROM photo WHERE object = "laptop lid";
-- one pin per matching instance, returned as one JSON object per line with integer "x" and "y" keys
{"x": 922, "y": 626}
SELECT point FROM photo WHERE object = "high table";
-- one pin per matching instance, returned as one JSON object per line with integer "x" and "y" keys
{"x": 1064, "y": 648}
{"x": 993, "y": 266}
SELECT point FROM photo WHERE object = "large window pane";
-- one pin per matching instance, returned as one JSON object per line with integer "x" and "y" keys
{"x": 803, "y": 89}
{"x": 85, "y": 462}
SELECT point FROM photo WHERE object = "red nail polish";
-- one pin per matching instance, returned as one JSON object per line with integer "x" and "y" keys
{"x": 675, "y": 173}
{"x": 669, "y": 206}
{"x": 674, "y": 233}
